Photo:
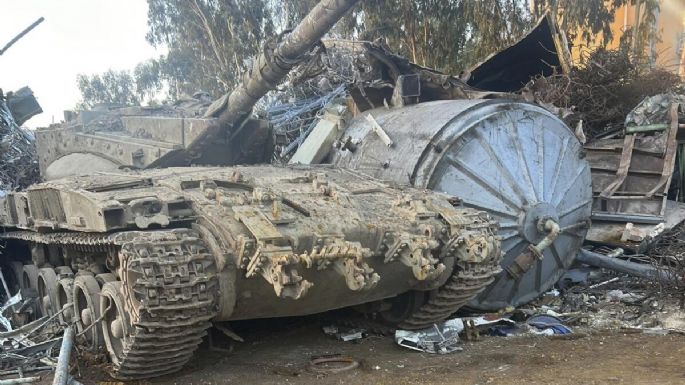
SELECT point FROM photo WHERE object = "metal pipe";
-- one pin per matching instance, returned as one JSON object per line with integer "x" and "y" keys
{"x": 525, "y": 260}
{"x": 651, "y": 127}
{"x": 553, "y": 230}
{"x": 62, "y": 369}
{"x": 632, "y": 268}
{"x": 21, "y": 34}
{"x": 647, "y": 128}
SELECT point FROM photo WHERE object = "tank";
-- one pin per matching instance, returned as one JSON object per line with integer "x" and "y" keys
{"x": 513, "y": 160}
{"x": 144, "y": 262}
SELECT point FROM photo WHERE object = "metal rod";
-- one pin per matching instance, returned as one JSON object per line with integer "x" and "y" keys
{"x": 62, "y": 369}
{"x": 21, "y": 34}
{"x": 647, "y": 128}
{"x": 4, "y": 284}
{"x": 650, "y": 127}
{"x": 632, "y": 268}
{"x": 16, "y": 381}
{"x": 29, "y": 369}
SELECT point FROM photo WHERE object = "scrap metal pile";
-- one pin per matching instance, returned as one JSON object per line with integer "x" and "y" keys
{"x": 368, "y": 73}
{"x": 30, "y": 344}
{"x": 18, "y": 158}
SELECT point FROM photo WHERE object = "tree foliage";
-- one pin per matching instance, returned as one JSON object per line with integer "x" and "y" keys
{"x": 591, "y": 19}
{"x": 446, "y": 35}
{"x": 117, "y": 87}
{"x": 212, "y": 42}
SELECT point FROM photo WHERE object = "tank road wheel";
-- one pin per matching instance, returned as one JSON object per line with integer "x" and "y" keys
{"x": 86, "y": 308}
{"x": 65, "y": 289}
{"x": 155, "y": 318}
{"x": 47, "y": 291}
{"x": 116, "y": 326}
{"x": 29, "y": 280}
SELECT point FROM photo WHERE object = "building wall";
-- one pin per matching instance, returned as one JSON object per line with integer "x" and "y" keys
{"x": 671, "y": 25}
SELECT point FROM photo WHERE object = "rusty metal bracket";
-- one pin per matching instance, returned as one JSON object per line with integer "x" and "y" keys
{"x": 669, "y": 157}
{"x": 624, "y": 166}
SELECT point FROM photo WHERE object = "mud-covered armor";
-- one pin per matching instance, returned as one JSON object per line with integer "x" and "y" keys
{"x": 144, "y": 262}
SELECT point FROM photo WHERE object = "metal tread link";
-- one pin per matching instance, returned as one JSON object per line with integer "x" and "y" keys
{"x": 63, "y": 238}
{"x": 467, "y": 281}
{"x": 172, "y": 298}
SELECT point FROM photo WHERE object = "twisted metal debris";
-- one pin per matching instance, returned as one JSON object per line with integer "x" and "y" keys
{"x": 18, "y": 158}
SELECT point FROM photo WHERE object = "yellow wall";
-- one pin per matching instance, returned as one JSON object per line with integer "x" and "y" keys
{"x": 670, "y": 24}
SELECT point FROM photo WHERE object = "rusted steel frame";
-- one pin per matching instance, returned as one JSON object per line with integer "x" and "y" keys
{"x": 624, "y": 166}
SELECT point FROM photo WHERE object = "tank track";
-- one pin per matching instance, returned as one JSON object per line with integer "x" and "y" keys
{"x": 169, "y": 288}
{"x": 466, "y": 281}
{"x": 170, "y": 302}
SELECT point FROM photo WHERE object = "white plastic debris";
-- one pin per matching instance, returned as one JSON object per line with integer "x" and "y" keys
{"x": 438, "y": 339}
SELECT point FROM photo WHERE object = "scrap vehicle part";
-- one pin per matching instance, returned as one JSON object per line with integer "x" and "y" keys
{"x": 514, "y": 160}
{"x": 631, "y": 176}
{"x": 159, "y": 254}
{"x": 47, "y": 291}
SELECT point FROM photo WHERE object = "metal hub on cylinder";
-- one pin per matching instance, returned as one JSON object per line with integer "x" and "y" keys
{"x": 529, "y": 222}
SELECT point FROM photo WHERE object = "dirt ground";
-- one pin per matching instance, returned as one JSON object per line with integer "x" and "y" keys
{"x": 281, "y": 356}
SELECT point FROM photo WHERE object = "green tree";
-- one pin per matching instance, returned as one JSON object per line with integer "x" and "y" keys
{"x": 116, "y": 87}
{"x": 149, "y": 79}
{"x": 210, "y": 42}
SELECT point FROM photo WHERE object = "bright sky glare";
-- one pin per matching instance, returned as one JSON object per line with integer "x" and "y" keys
{"x": 77, "y": 36}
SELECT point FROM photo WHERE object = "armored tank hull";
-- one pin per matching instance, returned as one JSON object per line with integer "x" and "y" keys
{"x": 143, "y": 263}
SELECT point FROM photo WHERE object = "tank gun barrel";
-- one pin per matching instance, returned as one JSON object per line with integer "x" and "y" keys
{"x": 271, "y": 67}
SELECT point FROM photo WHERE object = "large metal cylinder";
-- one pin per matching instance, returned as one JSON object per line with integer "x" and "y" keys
{"x": 515, "y": 160}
